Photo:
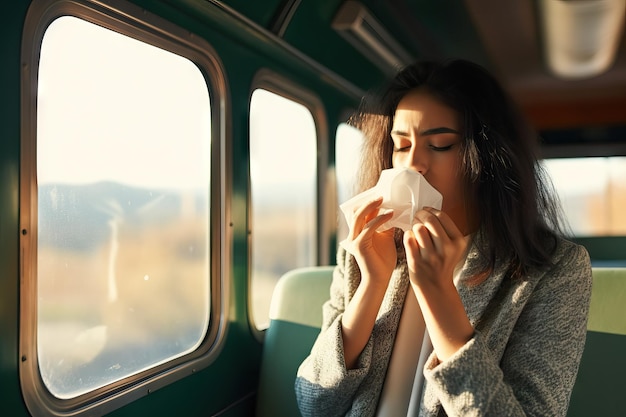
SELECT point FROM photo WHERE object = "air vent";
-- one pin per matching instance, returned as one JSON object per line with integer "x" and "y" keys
{"x": 359, "y": 27}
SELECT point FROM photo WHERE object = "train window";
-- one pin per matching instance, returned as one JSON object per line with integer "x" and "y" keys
{"x": 283, "y": 181}
{"x": 592, "y": 192}
{"x": 120, "y": 180}
{"x": 347, "y": 157}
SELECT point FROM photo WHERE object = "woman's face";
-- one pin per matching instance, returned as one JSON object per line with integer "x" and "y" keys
{"x": 427, "y": 138}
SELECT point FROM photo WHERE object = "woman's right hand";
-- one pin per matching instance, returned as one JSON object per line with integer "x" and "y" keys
{"x": 374, "y": 251}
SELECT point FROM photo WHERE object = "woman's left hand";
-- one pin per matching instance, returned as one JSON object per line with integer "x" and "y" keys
{"x": 434, "y": 246}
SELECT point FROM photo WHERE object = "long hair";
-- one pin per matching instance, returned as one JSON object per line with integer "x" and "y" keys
{"x": 519, "y": 214}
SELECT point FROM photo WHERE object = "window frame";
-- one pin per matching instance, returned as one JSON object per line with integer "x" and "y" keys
{"x": 132, "y": 21}
{"x": 273, "y": 82}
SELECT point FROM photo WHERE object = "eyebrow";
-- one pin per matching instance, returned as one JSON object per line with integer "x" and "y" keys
{"x": 428, "y": 132}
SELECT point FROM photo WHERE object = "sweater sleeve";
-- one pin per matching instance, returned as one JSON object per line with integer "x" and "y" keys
{"x": 324, "y": 387}
{"x": 536, "y": 373}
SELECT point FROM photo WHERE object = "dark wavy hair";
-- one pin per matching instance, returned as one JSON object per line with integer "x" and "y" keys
{"x": 519, "y": 213}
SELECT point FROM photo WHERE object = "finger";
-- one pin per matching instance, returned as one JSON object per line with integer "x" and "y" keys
{"x": 362, "y": 215}
{"x": 411, "y": 249}
{"x": 433, "y": 229}
{"x": 446, "y": 222}
{"x": 372, "y": 225}
{"x": 446, "y": 235}
{"x": 424, "y": 240}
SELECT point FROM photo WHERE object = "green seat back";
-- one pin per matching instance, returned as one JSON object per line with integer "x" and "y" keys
{"x": 295, "y": 321}
{"x": 601, "y": 383}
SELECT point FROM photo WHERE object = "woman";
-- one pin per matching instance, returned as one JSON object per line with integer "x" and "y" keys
{"x": 504, "y": 298}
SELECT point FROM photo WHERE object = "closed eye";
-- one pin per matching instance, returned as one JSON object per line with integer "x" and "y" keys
{"x": 440, "y": 148}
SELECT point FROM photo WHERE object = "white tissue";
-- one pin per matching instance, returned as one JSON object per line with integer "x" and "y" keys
{"x": 403, "y": 190}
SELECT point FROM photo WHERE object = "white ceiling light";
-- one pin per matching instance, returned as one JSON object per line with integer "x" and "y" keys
{"x": 581, "y": 36}
{"x": 357, "y": 25}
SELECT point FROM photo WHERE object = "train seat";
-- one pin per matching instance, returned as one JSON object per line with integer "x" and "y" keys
{"x": 295, "y": 321}
{"x": 296, "y": 317}
{"x": 601, "y": 380}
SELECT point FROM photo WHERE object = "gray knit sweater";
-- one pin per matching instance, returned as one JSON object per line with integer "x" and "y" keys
{"x": 522, "y": 360}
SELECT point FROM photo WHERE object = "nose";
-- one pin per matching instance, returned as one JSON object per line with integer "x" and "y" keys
{"x": 417, "y": 160}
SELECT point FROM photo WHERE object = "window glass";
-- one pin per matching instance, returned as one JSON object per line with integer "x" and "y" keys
{"x": 592, "y": 192}
{"x": 347, "y": 158}
{"x": 283, "y": 173}
{"x": 123, "y": 164}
